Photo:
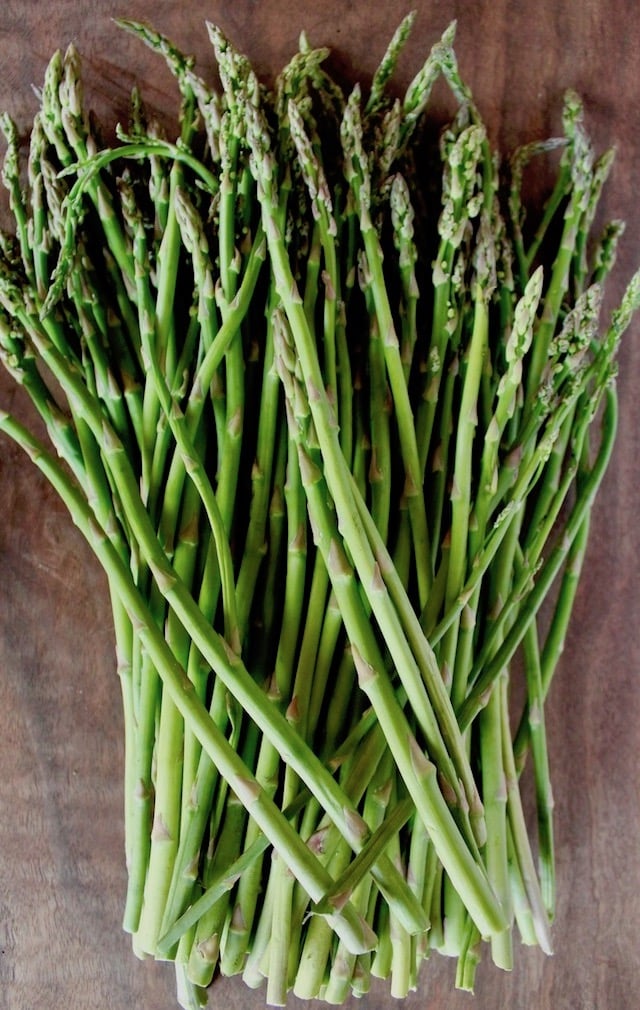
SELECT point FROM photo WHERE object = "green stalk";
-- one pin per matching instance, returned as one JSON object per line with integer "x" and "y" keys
{"x": 554, "y": 642}
{"x": 494, "y": 792}
{"x": 338, "y": 476}
{"x": 439, "y": 478}
{"x": 211, "y": 644}
{"x": 462, "y": 477}
{"x": 447, "y": 729}
{"x": 280, "y": 692}
{"x": 357, "y": 176}
{"x": 254, "y": 971}
{"x": 483, "y": 681}
{"x": 315, "y": 952}
{"x": 401, "y": 948}
{"x": 418, "y": 773}
{"x": 170, "y": 733}
{"x": 539, "y": 752}
{"x": 376, "y": 802}
{"x": 380, "y": 408}
{"x": 228, "y": 822}
{"x": 581, "y": 174}
{"x": 298, "y": 403}
{"x": 193, "y": 822}
{"x": 517, "y": 824}
{"x": 282, "y": 681}
{"x": 460, "y": 205}
{"x": 325, "y": 685}
{"x": 356, "y": 934}
{"x": 82, "y": 454}
{"x": 218, "y": 885}
{"x": 469, "y": 959}
{"x": 280, "y": 947}
{"x": 346, "y": 722}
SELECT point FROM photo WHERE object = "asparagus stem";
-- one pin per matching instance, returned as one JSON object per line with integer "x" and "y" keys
{"x": 347, "y": 924}
{"x": 476, "y": 696}
{"x": 317, "y": 730}
{"x": 355, "y": 168}
{"x": 544, "y": 798}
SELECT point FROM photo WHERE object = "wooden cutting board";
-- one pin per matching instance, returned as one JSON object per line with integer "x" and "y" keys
{"x": 62, "y": 875}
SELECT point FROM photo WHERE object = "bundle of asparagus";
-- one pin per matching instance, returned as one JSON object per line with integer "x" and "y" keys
{"x": 334, "y": 434}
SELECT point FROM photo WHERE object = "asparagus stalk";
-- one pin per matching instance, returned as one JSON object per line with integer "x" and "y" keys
{"x": 439, "y": 481}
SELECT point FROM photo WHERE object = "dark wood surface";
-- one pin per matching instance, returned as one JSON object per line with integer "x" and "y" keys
{"x": 61, "y": 846}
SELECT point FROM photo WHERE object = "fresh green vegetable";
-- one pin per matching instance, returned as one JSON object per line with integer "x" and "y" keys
{"x": 334, "y": 449}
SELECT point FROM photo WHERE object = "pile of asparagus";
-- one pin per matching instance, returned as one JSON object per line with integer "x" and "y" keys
{"x": 334, "y": 434}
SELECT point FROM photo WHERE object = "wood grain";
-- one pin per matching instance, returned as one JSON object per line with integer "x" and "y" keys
{"x": 61, "y": 846}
